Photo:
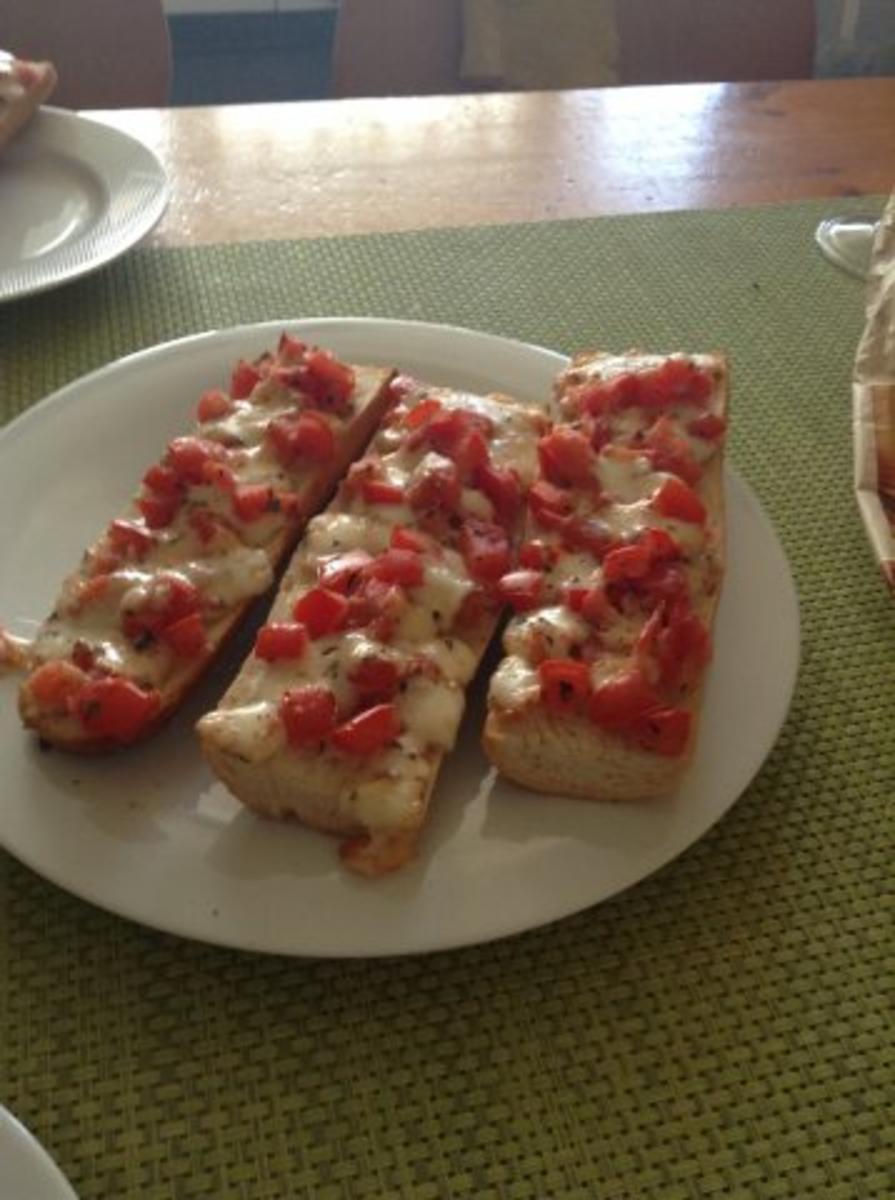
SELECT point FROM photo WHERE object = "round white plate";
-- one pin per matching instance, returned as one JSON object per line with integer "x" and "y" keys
{"x": 150, "y": 835}
{"x": 26, "y": 1170}
{"x": 74, "y": 194}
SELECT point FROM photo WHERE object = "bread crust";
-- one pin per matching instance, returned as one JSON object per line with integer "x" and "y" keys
{"x": 67, "y": 733}
{"x": 570, "y": 755}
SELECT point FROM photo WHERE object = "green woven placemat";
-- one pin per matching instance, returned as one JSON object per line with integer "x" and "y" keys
{"x": 721, "y": 1030}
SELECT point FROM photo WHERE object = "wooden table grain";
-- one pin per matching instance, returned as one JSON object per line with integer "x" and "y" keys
{"x": 304, "y": 169}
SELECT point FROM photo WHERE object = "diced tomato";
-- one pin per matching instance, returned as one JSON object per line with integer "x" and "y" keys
{"x": 170, "y": 598}
{"x": 55, "y": 684}
{"x": 404, "y": 567}
{"x": 549, "y": 504}
{"x": 634, "y": 561}
{"x": 677, "y": 640}
{"x": 471, "y": 454}
{"x": 449, "y": 432}
{"x": 485, "y": 550}
{"x": 476, "y": 605}
{"x": 566, "y": 458}
{"x": 213, "y": 405}
{"x": 306, "y": 436}
{"x": 321, "y": 611}
{"x": 421, "y": 412}
{"x": 602, "y": 396}
{"x": 708, "y": 426}
{"x": 127, "y": 538}
{"x": 380, "y": 491}
{"x": 376, "y": 679}
{"x": 186, "y": 637}
{"x": 668, "y": 451}
{"x": 244, "y": 380}
{"x": 326, "y": 382}
{"x": 565, "y": 684}
{"x": 403, "y": 538}
{"x": 159, "y": 511}
{"x": 205, "y": 524}
{"x": 587, "y": 533}
{"x": 502, "y": 487}
{"x": 376, "y": 606}
{"x": 589, "y": 601}
{"x": 538, "y": 555}
{"x": 438, "y": 489}
{"x": 163, "y": 480}
{"x": 290, "y": 349}
{"x": 188, "y": 457}
{"x": 89, "y": 591}
{"x": 308, "y": 714}
{"x": 252, "y": 501}
{"x": 522, "y": 589}
{"x": 281, "y": 639}
{"x": 220, "y": 476}
{"x": 114, "y": 709}
{"x": 619, "y": 702}
{"x": 369, "y": 731}
{"x": 664, "y": 731}
{"x": 601, "y": 433}
{"x": 675, "y": 499}
{"x": 679, "y": 381}
{"x": 343, "y": 572}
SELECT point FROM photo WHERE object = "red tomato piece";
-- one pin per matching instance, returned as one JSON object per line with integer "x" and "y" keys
{"x": 281, "y": 639}
{"x": 369, "y": 731}
{"x": 566, "y": 458}
{"x": 343, "y": 572}
{"x": 708, "y": 426}
{"x": 565, "y": 684}
{"x": 404, "y": 567}
{"x": 290, "y": 349}
{"x": 421, "y": 412}
{"x": 127, "y": 538}
{"x": 679, "y": 381}
{"x": 534, "y": 556}
{"x": 321, "y": 611}
{"x": 627, "y": 562}
{"x": 502, "y": 487}
{"x": 244, "y": 379}
{"x": 675, "y": 499}
{"x": 664, "y": 731}
{"x": 668, "y": 451}
{"x": 115, "y": 709}
{"x": 189, "y": 456}
{"x": 549, "y": 504}
{"x": 325, "y": 381}
{"x": 485, "y": 549}
{"x": 678, "y": 640}
{"x": 380, "y": 491}
{"x": 308, "y": 714}
{"x": 619, "y": 702}
{"x": 522, "y": 589}
{"x": 376, "y": 679}
{"x": 186, "y": 637}
{"x": 252, "y": 501}
{"x": 159, "y": 511}
{"x": 213, "y": 405}
{"x": 448, "y": 433}
{"x": 590, "y": 602}
{"x": 438, "y": 489}
{"x": 306, "y": 436}
{"x": 162, "y": 480}
{"x": 403, "y": 538}
{"x": 587, "y": 533}
{"x": 54, "y": 685}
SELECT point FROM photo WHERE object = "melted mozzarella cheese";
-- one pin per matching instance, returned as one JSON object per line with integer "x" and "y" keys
{"x": 555, "y": 628}
{"x": 514, "y": 684}
{"x": 431, "y": 711}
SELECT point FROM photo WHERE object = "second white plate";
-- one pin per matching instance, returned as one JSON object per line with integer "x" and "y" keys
{"x": 150, "y": 835}
{"x": 74, "y": 195}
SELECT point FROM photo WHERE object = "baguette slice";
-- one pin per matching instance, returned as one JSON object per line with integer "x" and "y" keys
{"x": 24, "y": 87}
{"x": 599, "y": 695}
{"x": 347, "y": 734}
{"x": 157, "y": 595}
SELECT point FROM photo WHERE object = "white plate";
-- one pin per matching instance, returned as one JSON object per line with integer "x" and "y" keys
{"x": 149, "y": 835}
{"x": 26, "y": 1170}
{"x": 74, "y": 194}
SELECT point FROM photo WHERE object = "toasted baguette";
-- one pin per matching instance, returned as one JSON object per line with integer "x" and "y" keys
{"x": 378, "y": 802}
{"x": 568, "y": 754}
{"x": 263, "y": 550}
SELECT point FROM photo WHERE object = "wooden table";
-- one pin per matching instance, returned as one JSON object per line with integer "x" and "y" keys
{"x": 309, "y": 169}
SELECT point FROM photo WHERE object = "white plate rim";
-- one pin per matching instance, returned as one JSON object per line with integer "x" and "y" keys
{"x": 30, "y": 1157}
{"x": 125, "y": 228}
{"x": 328, "y": 329}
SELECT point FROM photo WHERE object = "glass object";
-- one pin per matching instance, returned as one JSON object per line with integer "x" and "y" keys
{"x": 848, "y": 242}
